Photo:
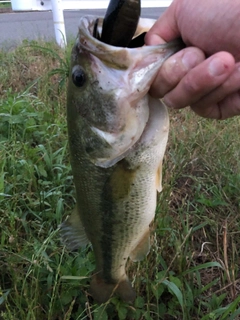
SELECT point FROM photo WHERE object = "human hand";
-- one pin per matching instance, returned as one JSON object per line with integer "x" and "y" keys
{"x": 210, "y": 86}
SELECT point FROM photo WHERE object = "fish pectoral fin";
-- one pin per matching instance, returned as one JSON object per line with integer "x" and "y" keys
{"x": 142, "y": 249}
{"x": 159, "y": 178}
{"x": 72, "y": 232}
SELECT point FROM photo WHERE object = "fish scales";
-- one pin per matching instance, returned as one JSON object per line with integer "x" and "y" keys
{"x": 117, "y": 137}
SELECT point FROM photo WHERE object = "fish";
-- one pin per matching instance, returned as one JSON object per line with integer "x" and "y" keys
{"x": 117, "y": 139}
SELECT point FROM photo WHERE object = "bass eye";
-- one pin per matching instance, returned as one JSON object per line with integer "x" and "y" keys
{"x": 78, "y": 76}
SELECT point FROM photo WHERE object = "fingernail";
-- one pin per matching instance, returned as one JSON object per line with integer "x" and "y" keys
{"x": 190, "y": 60}
{"x": 216, "y": 67}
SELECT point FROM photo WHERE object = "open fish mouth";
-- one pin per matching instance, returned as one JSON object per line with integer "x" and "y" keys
{"x": 137, "y": 37}
{"x": 120, "y": 22}
{"x": 90, "y": 38}
{"x": 118, "y": 27}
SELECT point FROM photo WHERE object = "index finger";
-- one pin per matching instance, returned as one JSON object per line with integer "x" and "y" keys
{"x": 165, "y": 28}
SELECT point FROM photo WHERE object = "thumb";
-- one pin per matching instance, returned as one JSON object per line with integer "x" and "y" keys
{"x": 165, "y": 28}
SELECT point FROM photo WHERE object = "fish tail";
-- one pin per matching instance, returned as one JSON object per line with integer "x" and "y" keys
{"x": 102, "y": 291}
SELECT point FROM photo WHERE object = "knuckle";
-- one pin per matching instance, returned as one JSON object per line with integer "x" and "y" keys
{"x": 191, "y": 85}
{"x": 171, "y": 74}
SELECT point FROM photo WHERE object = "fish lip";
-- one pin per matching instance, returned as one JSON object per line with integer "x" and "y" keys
{"x": 87, "y": 27}
{"x": 87, "y": 42}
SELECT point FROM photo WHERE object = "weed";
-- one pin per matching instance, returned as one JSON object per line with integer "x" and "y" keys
{"x": 5, "y": 5}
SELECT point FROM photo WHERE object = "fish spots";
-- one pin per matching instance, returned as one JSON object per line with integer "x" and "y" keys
{"x": 95, "y": 83}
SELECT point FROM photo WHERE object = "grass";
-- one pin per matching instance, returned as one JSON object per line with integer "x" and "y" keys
{"x": 4, "y": 5}
{"x": 192, "y": 271}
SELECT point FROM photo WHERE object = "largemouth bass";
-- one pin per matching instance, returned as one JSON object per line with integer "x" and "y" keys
{"x": 117, "y": 138}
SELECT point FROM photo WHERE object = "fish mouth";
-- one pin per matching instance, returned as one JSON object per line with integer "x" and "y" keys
{"x": 120, "y": 22}
{"x": 94, "y": 26}
{"x": 135, "y": 42}
{"x": 90, "y": 30}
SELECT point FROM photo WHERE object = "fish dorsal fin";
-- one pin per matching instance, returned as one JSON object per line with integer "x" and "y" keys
{"x": 142, "y": 248}
{"x": 72, "y": 232}
{"x": 159, "y": 178}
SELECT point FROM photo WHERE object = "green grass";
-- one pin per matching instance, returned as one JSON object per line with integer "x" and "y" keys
{"x": 192, "y": 271}
{"x": 4, "y": 5}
